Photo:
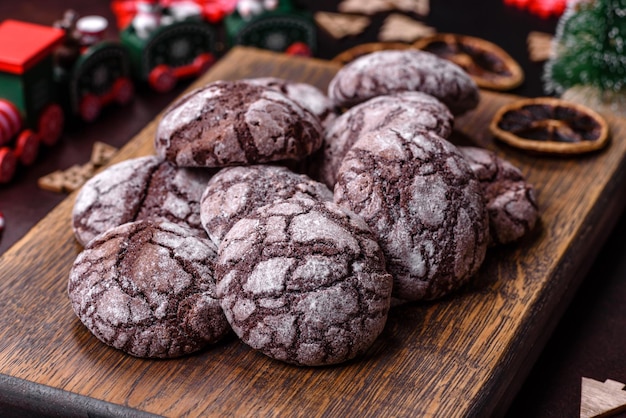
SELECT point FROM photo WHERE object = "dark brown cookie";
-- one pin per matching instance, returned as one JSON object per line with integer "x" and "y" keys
{"x": 412, "y": 110}
{"x": 418, "y": 194}
{"x": 139, "y": 188}
{"x": 306, "y": 95}
{"x": 386, "y": 72}
{"x": 304, "y": 282}
{"x": 234, "y": 123}
{"x": 148, "y": 288}
{"x": 511, "y": 200}
{"x": 234, "y": 192}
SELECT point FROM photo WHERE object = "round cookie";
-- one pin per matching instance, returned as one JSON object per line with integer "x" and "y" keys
{"x": 511, "y": 200}
{"x": 306, "y": 95}
{"x": 228, "y": 123}
{"x": 148, "y": 288}
{"x": 419, "y": 196}
{"x": 139, "y": 188}
{"x": 391, "y": 71}
{"x": 414, "y": 110}
{"x": 234, "y": 192}
{"x": 303, "y": 282}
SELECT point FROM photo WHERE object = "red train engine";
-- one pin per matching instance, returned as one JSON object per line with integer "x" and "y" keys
{"x": 30, "y": 112}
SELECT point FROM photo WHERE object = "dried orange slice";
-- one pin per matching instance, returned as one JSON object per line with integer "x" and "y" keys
{"x": 364, "y": 49}
{"x": 490, "y": 66}
{"x": 550, "y": 125}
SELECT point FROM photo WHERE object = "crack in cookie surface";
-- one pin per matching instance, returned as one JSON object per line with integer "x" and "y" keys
{"x": 408, "y": 110}
{"x": 303, "y": 282}
{"x": 136, "y": 189}
{"x": 419, "y": 196}
{"x": 393, "y": 71}
{"x": 234, "y": 192}
{"x": 511, "y": 200}
{"x": 233, "y": 123}
{"x": 147, "y": 288}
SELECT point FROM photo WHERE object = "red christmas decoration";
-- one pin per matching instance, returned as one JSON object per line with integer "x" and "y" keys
{"x": 212, "y": 10}
{"x": 542, "y": 8}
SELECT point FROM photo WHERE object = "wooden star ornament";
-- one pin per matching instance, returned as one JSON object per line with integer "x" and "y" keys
{"x": 601, "y": 399}
{"x": 539, "y": 46}
{"x": 397, "y": 27}
{"x": 340, "y": 25}
{"x": 419, "y": 7}
{"x": 369, "y": 7}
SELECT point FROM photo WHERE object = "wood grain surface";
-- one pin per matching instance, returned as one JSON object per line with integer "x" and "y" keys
{"x": 465, "y": 355}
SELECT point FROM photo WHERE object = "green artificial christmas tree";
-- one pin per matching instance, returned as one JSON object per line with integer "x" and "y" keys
{"x": 589, "y": 52}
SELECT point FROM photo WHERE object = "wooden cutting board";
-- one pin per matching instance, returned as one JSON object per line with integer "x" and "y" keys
{"x": 463, "y": 356}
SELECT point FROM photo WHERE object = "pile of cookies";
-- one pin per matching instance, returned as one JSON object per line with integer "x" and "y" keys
{"x": 293, "y": 218}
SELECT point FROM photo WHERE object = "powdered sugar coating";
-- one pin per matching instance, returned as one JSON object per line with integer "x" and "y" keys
{"x": 391, "y": 71}
{"x": 511, "y": 200}
{"x": 228, "y": 123}
{"x": 138, "y": 188}
{"x": 234, "y": 192}
{"x": 306, "y": 95}
{"x": 421, "y": 199}
{"x": 148, "y": 288}
{"x": 411, "y": 110}
{"x": 312, "y": 292}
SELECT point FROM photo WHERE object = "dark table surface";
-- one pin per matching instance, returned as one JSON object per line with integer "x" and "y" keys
{"x": 590, "y": 339}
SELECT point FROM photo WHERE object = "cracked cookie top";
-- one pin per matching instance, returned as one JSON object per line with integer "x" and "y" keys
{"x": 303, "y": 282}
{"x": 511, "y": 200}
{"x": 306, "y": 95}
{"x": 412, "y": 110}
{"x": 228, "y": 123}
{"x": 139, "y": 188}
{"x": 148, "y": 288}
{"x": 234, "y": 192}
{"x": 423, "y": 202}
{"x": 393, "y": 71}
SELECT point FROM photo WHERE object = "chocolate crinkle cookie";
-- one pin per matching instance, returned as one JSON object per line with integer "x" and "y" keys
{"x": 419, "y": 195}
{"x": 409, "y": 110}
{"x": 227, "y": 123}
{"x": 511, "y": 200}
{"x": 393, "y": 71}
{"x": 148, "y": 288}
{"x": 304, "y": 282}
{"x": 135, "y": 189}
{"x": 306, "y": 95}
{"x": 234, "y": 192}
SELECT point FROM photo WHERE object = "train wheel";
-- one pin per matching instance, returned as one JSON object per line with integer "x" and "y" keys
{"x": 123, "y": 90}
{"x": 89, "y": 107}
{"x": 10, "y": 121}
{"x": 162, "y": 78}
{"x": 50, "y": 124}
{"x": 299, "y": 49}
{"x": 5, "y": 130}
{"x": 27, "y": 147}
{"x": 203, "y": 62}
{"x": 8, "y": 164}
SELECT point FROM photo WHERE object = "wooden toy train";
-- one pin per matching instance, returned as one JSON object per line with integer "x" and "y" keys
{"x": 68, "y": 69}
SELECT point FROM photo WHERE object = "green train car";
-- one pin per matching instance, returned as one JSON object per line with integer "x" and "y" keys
{"x": 30, "y": 111}
{"x": 285, "y": 28}
{"x": 173, "y": 51}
